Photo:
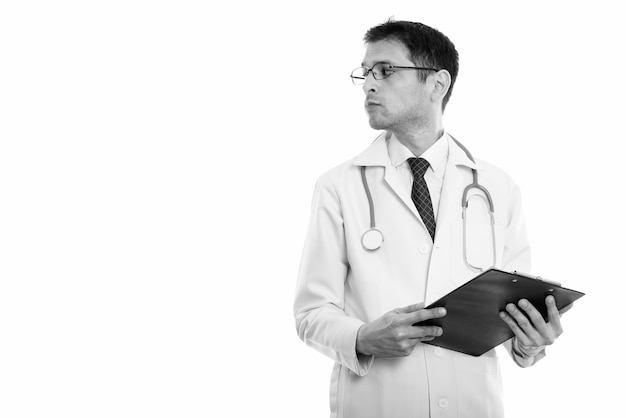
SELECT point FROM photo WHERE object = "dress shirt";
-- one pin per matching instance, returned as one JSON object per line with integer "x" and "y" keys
{"x": 437, "y": 157}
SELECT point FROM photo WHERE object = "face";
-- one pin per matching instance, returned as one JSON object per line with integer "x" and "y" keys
{"x": 399, "y": 102}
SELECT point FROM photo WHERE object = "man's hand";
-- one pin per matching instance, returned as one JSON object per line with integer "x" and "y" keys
{"x": 534, "y": 334}
{"x": 393, "y": 334}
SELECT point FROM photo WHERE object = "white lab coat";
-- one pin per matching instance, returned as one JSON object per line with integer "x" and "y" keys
{"x": 341, "y": 285}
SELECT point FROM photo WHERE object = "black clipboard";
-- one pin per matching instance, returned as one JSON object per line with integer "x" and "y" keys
{"x": 473, "y": 325}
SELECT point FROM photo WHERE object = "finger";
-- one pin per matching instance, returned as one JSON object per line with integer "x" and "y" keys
{"x": 548, "y": 332}
{"x": 425, "y": 339}
{"x": 419, "y": 332}
{"x": 523, "y": 323}
{"x": 519, "y": 333}
{"x": 535, "y": 317}
{"x": 553, "y": 316}
{"x": 411, "y": 343}
{"x": 423, "y": 315}
{"x": 410, "y": 308}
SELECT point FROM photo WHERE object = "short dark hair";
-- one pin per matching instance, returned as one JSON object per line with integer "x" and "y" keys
{"x": 427, "y": 46}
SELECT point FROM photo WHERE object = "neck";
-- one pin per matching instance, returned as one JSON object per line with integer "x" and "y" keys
{"x": 418, "y": 141}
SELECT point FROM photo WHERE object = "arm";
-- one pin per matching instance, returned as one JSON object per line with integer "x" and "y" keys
{"x": 532, "y": 333}
{"x": 321, "y": 321}
{"x": 516, "y": 256}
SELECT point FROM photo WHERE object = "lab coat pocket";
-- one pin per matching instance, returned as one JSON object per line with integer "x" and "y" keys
{"x": 336, "y": 395}
{"x": 479, "y": 378}
{"x": 353, "y": 396}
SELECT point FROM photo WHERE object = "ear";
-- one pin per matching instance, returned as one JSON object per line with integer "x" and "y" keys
{"x": 441, "y": 85}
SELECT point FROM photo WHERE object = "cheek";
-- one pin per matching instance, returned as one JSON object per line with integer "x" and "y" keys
{"x": 417, "y": 106}
{"x": 406, "y": 108}
{"x": 408, "y": 100}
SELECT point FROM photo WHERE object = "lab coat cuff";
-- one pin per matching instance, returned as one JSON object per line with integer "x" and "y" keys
{"x": 364, "y": 362}
{"x": 358, "y": 363}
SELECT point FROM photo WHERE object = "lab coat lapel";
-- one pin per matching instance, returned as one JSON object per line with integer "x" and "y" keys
{"x": 452, "y": 192}
{"x": 377, "y": 154}
{"x": 449, "y": 203}
{"x": 449, "y": 223}
{"x": 393, "y": 180}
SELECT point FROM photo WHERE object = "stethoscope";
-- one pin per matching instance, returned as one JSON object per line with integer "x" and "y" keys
{"x": 373, "y": 238}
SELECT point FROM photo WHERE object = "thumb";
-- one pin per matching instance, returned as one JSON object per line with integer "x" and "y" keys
{"x": 410, "y": 308}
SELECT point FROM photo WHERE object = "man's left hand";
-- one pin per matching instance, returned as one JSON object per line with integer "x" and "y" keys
{"x": 534, "y": 334}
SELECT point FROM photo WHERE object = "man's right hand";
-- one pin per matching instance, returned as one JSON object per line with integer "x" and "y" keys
{"x": 394, "y": 335}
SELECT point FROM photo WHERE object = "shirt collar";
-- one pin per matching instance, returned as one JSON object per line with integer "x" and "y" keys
{"x": 379, "y": 154}
{"x": 436, "y": 154}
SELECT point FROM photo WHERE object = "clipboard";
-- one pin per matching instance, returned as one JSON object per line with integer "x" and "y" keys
{"x": 473, "y": 325}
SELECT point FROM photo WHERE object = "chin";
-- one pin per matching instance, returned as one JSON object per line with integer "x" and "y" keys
{"x": 378, "y": 125}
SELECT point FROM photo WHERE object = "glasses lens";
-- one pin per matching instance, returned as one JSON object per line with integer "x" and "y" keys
{"x": 359, "y": 75}
{"x": 381, "y": 70}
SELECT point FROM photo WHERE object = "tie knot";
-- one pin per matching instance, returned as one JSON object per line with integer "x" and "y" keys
{"x": 418, "y": 166}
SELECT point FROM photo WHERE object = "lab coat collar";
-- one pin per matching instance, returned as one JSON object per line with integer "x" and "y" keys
{"x": 458, "y": 156}
{"x": 377, "y": 154}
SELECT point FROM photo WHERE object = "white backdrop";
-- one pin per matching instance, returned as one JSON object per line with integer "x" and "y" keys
{"x": 157, "y": 162}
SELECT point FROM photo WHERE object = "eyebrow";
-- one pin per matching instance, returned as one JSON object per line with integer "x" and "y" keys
{"x": 378, "y": 62}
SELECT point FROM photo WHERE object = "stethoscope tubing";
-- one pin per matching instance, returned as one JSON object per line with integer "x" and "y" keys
{"x": 369, "y": 198}
{"x": 373, "y": 238}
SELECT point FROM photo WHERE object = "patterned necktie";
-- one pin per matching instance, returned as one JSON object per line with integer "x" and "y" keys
{"x": 420, "y": 194}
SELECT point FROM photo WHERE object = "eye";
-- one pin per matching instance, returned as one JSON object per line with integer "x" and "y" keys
{"x": 385, "y": 71}
{"x": 382, "y": 70}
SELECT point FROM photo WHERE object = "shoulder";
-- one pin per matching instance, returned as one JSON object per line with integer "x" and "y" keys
{"x": 494, "y": 174}
{"x": 332, "y": 188}
{"x": 338, "y": 173}
{"x": 502, "y": 188}
{"x": 376, "y": 154}
{"x": 487, "y": 172}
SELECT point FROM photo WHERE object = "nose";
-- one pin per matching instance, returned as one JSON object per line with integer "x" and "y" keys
{"x": 370, "y": 84}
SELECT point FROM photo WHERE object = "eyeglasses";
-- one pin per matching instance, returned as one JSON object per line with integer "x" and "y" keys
{"x": 380, "y": 71}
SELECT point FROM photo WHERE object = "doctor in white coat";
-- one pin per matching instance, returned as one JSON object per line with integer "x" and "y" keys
{"x": 358, "y": 306}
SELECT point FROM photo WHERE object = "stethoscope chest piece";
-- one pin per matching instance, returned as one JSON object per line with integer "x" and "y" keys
{"x": 372, "y": 239}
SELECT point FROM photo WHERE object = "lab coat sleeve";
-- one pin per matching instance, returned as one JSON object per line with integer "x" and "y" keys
{"x": 321, "y": 321}
{"x": 516, "y": 256}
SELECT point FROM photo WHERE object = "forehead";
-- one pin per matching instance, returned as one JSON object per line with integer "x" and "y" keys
{"x": 390, "y": 51}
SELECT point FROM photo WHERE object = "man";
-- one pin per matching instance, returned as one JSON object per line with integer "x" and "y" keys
{"x": 358, "y": 304}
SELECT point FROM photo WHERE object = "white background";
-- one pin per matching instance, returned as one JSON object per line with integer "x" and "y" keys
{"x": 157, "y": 162}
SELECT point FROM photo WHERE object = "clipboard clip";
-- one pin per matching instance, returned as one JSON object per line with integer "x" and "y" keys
{"x": 541, "y": 279}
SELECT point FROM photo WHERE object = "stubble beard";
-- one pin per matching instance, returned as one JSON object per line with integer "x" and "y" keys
{"x": 380, "y": 122}
{"x": 377, "y": 124}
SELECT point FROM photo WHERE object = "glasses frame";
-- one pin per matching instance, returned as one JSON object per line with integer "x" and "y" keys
{"x": 358, "y": 80}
